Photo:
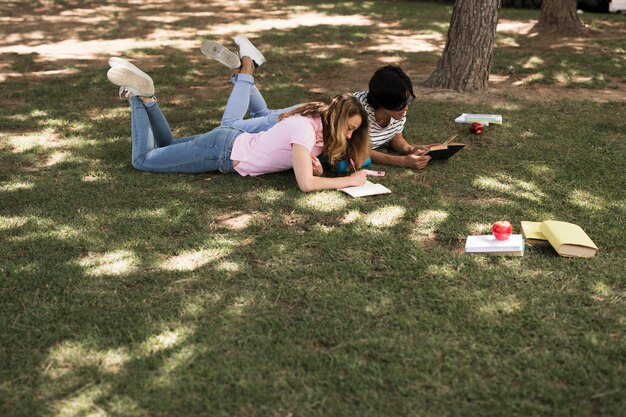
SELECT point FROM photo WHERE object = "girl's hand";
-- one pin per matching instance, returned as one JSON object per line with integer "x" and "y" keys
{"x": 318, "y": 170}
{"x": 358, "y": 178}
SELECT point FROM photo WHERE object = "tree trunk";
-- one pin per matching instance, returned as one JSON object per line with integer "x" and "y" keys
{"x": 466, "y": 60}
{"x": 559, "y": 16}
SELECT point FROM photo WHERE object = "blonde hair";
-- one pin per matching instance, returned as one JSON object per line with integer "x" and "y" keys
{"x": 334, "y": 116}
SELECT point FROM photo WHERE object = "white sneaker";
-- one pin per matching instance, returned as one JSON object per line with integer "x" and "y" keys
{"x": 247, "y": 49}
{"x": 131, "y": 80}
{"x": 218, "y": 52}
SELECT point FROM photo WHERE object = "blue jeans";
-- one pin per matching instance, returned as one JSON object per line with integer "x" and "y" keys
{"x": 155, "y": 150}
{"x": 246, "y": 97}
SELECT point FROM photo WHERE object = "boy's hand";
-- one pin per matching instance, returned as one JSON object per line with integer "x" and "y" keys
{"x": 318, "y": 170}
{"x": 417, "y": 160}
{"x": 423, "y": 147}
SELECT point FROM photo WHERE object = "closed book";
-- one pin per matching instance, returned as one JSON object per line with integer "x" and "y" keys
{"x": 489, "y": 245}
{"x": 531, "y": 232}
{"x": 568, "y": 239}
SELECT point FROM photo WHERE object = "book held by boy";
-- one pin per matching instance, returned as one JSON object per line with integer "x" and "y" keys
{"x": 369, "y": 188}
{"x": 446, "y": 149}
{"x": 489, "y": 245}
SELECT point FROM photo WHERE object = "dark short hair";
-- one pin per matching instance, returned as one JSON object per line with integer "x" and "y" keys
{"x": 390, "y": 88}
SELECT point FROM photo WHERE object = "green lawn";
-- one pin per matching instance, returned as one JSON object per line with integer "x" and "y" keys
{"x": 134, "y": 294}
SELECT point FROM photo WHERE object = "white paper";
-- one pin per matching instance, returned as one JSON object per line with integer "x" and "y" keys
{"x": 462, "y": 119}
{"x": 488, "y": 243}
{"x": 369, "y": 188}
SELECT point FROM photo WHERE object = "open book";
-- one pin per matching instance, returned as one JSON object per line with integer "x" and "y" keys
{"x": 445, "y": 150}
{"x": 369, "y": 188}
{"x": 567, "y": 239}
{"x": 489, "y": 245}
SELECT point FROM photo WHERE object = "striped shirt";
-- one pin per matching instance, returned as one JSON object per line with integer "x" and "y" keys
{"x": 379, "y": 135}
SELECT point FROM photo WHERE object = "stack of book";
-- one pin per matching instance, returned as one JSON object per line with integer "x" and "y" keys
{"x": 567, "y": 239}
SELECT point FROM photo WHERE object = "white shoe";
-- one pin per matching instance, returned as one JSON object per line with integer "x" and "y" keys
{"x": 131, "y": 80}
{"x": 247, "y": 49}
{"x": 218, "y": 52}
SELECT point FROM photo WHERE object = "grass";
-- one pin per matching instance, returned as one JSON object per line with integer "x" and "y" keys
{"x": 131, "y": 294}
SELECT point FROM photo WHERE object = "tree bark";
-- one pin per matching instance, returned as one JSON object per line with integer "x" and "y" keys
{"x": 559, "y": 16}
{"x": 465, "y": 63}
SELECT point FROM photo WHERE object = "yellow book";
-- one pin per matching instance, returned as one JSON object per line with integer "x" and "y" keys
{"x": 568, "y": 239}
{"x": 532, "y": 234}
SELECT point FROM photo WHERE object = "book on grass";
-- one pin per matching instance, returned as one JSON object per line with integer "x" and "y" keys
{"x": 369, "y": 188}
{"x": 489, "y": 245}
{"x": 568, "y": 239}
{"x": 531, "y": 232}
{"x": 446, "y": 149}
{"x": 484, "y": 119}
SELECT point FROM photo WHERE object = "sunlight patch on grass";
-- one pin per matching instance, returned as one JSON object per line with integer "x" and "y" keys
{"x": 192, "y": 260}
{"x": 270, "y": 195}
{"x": 291, "y": 21}
{"x": 97, "y": 177}
{"x": 507, "y": 305}
{"x": 532, "y": 62}
{"x": 229, "y": 266}
{"x": 16, "y": 186}
{"x": 510, "y": 186}
{"x": 516, "y": 27}
{"x": 325, "y": 201}
{"x": 83, "y": 402}
{"x": 12, "y": 222}
{"x": 442, "y": 270}
{"x": 71, "y": 356}
{"x": 235, "y": 221}
{"x": 385, "y": 216}
{"x": 180, "y": 359}
{"x": 408, "y": 42}
{"x": 56, "y": 158}
{"x": 118, "y": 262}
{"x": 507, "y": 41}
{"x": 165, "y": 340}
{"x": 600, "y": 288}
{"x": 586, "y": 200}
{"x": 379, "y": 307}
{"x": 27, "y": 142}
{"x": 49, "y": 229}
{"x": 351, "y": 217}
{"x": 426, "y": 223}
{"x": 540, "y": 169}
{"x": 531, "y": 79}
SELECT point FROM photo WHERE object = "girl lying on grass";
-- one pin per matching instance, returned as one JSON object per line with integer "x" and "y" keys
{"x": 336, "y": 129}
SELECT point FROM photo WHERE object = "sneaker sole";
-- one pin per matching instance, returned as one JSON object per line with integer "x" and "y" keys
{"x": 139, "y": 83}
{"x": 121, "y": 62}
{"x": 219, "y": 53}
{"x": 245, "y": 44}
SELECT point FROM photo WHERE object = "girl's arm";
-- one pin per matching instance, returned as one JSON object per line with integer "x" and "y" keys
{"x": 301, "y": 158}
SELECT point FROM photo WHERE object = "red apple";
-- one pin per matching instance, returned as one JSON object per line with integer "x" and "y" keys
{"x": 477, "y": 128}
{"x": 502, "y": 229}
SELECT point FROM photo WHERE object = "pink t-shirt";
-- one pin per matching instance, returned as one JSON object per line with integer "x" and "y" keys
{"x": 266, "y": 152}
